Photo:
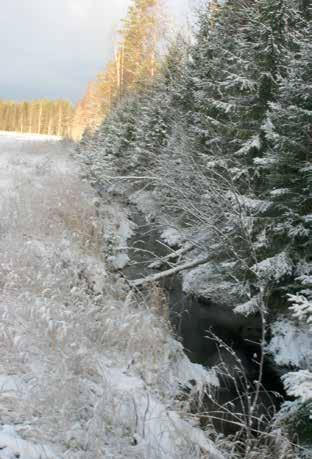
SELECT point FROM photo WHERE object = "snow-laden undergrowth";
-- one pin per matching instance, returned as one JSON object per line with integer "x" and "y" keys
{"x": 86, "y": 371}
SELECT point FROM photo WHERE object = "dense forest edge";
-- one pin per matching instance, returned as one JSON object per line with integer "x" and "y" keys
{"x": 211, "y": 141}
{"x": 217, "y": 147}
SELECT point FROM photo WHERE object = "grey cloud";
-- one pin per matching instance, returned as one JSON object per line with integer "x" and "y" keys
{"x": 52, "y": 48}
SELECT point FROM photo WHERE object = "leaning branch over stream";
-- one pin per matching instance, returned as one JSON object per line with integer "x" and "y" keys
{"x": 169, "y": 272}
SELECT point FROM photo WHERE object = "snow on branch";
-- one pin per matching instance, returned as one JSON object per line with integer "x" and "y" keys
{"x": 169, "y": 272}
{"x": 299, "y": 384}
{"x": 274, "y": 268}
{"x": 302, "y": 307}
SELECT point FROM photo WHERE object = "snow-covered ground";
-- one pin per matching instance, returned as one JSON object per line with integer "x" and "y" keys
{"x": 85, "y": 370}
{"x": 22, "y": 137}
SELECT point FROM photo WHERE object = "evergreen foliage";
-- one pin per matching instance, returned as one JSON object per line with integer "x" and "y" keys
{"x": 226, "y": 128}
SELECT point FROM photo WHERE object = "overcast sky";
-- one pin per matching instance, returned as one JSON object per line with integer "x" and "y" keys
{"x": 52, "y": 48}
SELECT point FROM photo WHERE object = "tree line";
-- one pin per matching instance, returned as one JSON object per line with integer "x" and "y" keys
{"x": 135, "y": 62}
{"x": 37, "y": 117}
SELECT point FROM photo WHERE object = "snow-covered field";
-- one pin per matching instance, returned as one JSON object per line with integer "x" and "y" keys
{"x": 22, "y": 137}
{"x": 85, "y": 371}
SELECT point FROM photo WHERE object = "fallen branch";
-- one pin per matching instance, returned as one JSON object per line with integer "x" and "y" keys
{"x": 131, "y": 177}
{"x": 171, "y": 256}
{"x": 169, "y": 272}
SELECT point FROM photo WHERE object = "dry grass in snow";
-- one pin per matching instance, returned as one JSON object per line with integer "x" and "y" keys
{"x": 86, "y": 370}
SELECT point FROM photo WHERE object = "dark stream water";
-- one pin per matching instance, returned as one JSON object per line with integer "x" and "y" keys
{"x": 194, "y": 319}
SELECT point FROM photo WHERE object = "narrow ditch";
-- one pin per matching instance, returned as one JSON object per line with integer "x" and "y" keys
{"x": 195, "y": 319}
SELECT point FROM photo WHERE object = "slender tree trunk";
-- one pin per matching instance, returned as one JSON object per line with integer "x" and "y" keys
{"x": 59, "y": 125}
{"x": 39, "y": 118}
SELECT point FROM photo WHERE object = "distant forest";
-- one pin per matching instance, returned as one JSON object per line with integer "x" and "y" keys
{"x": 37, "y": 117}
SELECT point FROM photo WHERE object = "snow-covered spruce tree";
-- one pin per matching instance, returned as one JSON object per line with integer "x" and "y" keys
{"x": 221, "y": 84}
{"x": 133, "y": 135}
{"x": 157, "y": 112}
{"x": 240, "y": 53}
{"x": 241, "y": 50}
{"x": 276, "y": 35}
{"x": 152, "y": 128}
{"x": 289, "y": 134}
{"x": 109, "y": 151}
{"x": 289, "y": 226}
{"x": 274, "y": 39}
